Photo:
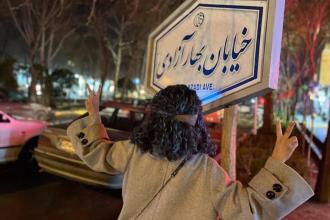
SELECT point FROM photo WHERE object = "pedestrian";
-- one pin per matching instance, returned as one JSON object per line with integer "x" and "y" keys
{"x": 168, "y": 170}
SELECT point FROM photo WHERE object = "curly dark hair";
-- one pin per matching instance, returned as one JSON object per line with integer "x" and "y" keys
{"x": 164, "y": 136}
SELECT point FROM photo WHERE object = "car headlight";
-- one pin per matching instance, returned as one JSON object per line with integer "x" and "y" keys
{"x": 66, "y": 146}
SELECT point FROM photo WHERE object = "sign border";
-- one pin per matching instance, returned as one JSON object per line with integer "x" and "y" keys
{"x": 273, "y": 36}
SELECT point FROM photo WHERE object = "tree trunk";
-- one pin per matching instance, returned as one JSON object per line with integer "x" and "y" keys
{"x": 34, "y": 79}
{"x": 311, "y": 132}
{"x": 255, "y": 117}
{"x": 43, "y": 48}
{"x": 4, "y": 41}
{"x": 293, "y": 106}
{"x": 268, "y": 114}
{"x": 304, "y": 128}
{"x": 228, "y": 140}
{"x": 104, "y": 64}
{"x": 48, "y": 91}
{"x": 46, "y": 82}
{"x": 117, "y": 70}
{"x": 322, "y": 190}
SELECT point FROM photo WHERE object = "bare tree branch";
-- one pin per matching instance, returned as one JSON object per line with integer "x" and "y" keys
{"x": 126, "y": 44}
{"x": 112, "y": 50}
{"x": 157, "y": 7}
{"x": 59, "y": 46}
{"x": 20, "y": 6}
{"x": 92, "y": 13}
{"x": 11, "y": 9}
{"x": 114, "y": 29}
{"x": 134, "y": 10}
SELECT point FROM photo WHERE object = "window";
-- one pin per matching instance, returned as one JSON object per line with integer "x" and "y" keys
{"x": 3, "y": 119}
{"x": 107, "y": 111}
{"x": 123, "y": 113}
{"x": 17, "y": 97}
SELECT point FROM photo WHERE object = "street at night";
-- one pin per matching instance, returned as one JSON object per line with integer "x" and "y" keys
{"x": 44, "y": 196}
{"x": 164, "y": 109}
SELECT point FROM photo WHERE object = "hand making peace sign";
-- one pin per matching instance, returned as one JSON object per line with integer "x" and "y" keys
{"x": 93, "y": 101}
{"x": 285, "y": 145}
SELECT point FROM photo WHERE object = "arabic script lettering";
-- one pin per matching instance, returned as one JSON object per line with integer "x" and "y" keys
{"x": 223, "y": 61}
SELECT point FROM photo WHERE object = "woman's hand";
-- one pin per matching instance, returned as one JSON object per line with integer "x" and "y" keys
{"x": 285, "y": 145}
{"x": 92, "y": 103}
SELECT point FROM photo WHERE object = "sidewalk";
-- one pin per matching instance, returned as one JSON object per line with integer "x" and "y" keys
{"x": 320, "y": 126}
{"x": 311, "y": 211}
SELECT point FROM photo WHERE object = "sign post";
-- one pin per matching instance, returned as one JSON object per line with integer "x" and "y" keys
{"x": 228, "y": 140}
{"x": 226, "y": 50}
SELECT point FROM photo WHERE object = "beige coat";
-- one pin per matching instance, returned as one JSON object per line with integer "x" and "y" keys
{"x": 201, "y": 190}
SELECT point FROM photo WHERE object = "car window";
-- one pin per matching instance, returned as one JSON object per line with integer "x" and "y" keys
{"x": 139, "y": 116}
{"x": 124, "y": 119}
{"x": 4, "y": 119}
{"x": 107, "y": 111}
{"x": 2, "y": 97}
{"x": 17, "y": 97}
{"x": 123, "y": 113}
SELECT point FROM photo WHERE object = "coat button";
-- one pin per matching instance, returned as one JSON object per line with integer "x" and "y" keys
{"x": 270, "y": 195}
{"x": 84, "y": 141}
{"x": 81, "y": 135}
{"x": 277, "y": 187}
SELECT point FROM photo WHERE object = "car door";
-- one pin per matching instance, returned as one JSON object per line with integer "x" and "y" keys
{"x": 10, "y": 138}
{"x": 5, "y": 130}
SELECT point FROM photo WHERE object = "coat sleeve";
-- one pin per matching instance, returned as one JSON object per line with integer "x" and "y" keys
{"x": 273, "y": 193}
{"x": 91, "y": 142}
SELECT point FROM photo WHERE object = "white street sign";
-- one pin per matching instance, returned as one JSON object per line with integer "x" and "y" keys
{"x": 226, "y": 50}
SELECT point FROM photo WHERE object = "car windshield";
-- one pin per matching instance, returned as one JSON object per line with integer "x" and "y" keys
{"x": 122, "y": 118}
{"x": 17, "y": 97}
{"x": 107, "y": 111}
{"x": 14, "y": 116}
{"x": 18, "y": 117}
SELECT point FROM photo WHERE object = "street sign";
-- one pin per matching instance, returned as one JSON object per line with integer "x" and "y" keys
{"x": 226, "y": 50}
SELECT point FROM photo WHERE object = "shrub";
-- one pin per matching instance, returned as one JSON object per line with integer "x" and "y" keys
{"x": 253, "y": 153}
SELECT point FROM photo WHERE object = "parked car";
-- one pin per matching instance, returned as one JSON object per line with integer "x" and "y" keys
{"x": 17, "y": 104}
{"x": 56, "y": 155}
{"x": 18, "y": 138}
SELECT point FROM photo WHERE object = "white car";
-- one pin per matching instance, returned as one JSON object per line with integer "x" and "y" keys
{"x": 27, "y": 110}
{"x": 16, "y": 103}
{"x": 18, "y": 137}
